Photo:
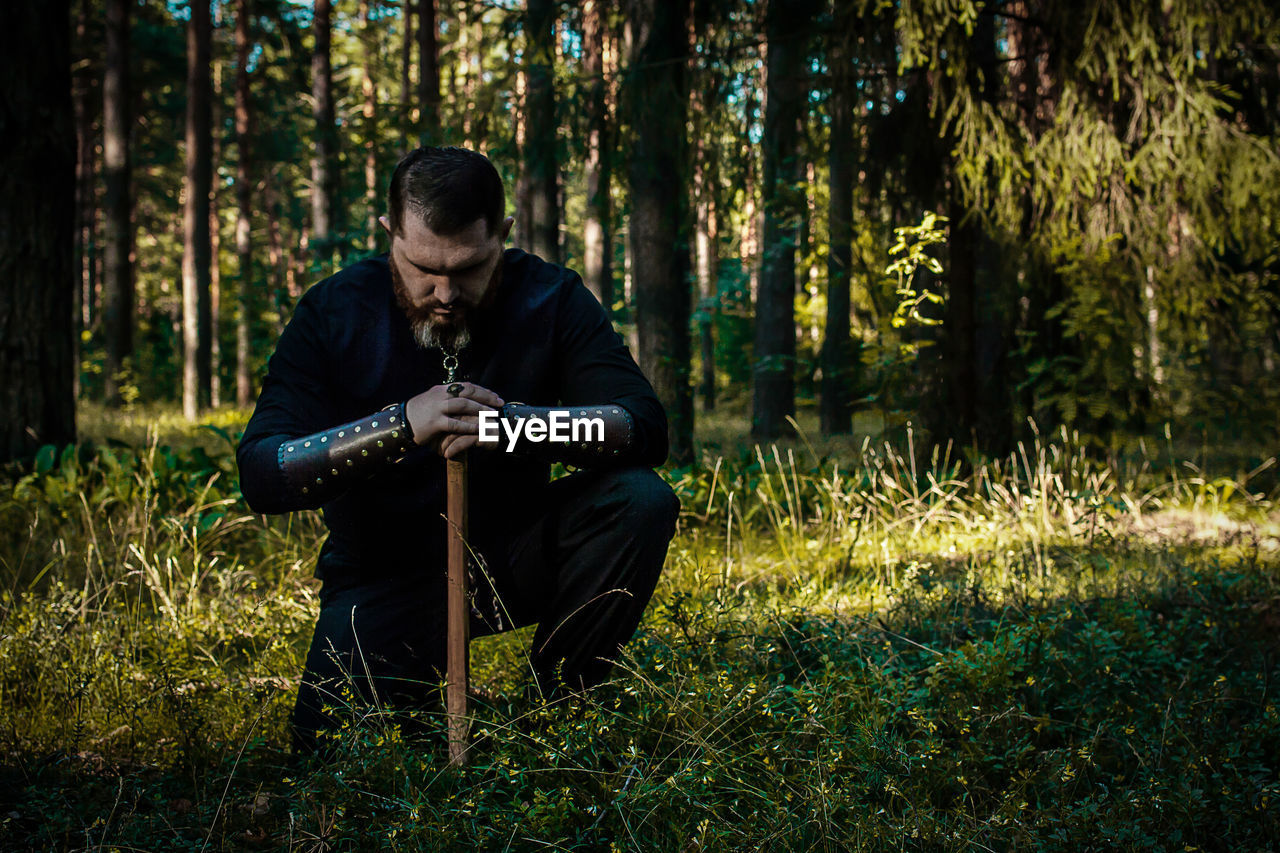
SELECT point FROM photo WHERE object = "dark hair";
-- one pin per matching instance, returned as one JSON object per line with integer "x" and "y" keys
{"x": 448, "y": 187}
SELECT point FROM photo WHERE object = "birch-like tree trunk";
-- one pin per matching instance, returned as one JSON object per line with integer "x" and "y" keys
{"x": 196, "y": 251}
{"x": 598, "y": 235}
{"x": 117, "y": 201}
{"x": 244, "y": 204}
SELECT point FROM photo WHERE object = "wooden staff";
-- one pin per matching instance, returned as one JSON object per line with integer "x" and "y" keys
{"x": 459, "y": 611}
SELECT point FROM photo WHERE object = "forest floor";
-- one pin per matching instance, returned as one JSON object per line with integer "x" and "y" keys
{"x": 859, "y": 645}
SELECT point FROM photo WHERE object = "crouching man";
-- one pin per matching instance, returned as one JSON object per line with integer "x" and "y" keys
{"x": 401, "y": 361}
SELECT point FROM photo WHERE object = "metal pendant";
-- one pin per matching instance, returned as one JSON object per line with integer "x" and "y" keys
{"x": 450, "y": 364}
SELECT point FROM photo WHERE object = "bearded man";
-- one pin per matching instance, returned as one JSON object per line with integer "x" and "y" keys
{"x": 394, "y": 364}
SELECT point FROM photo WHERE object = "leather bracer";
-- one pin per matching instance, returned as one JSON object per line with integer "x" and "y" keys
{"x": 321, "y": 466}
{"x": 585, "y": 435}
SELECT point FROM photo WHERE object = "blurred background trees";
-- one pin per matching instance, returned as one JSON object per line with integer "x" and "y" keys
{"x": 728, "y": 176}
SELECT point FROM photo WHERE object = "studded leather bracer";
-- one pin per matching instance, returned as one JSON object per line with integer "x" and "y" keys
{"x": 322, "y": 466}
{"x": 588, "y": 435}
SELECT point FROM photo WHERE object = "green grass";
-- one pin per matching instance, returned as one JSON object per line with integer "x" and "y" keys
{"x": 854, "y": 646}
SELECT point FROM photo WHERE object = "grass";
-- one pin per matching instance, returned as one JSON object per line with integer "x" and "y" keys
{"x": 855, "y": 645}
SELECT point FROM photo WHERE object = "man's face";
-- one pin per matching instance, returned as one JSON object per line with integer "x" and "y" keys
{"x": 441, "y": 280}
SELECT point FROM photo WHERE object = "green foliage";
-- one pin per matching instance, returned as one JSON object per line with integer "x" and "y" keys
{"x": 1117, "y": 159}
{"x": 912, "y": 243}
{"x": 1092, "y": 384}
{"x": 893, "y": 355}
{"x": 864, "y": 649}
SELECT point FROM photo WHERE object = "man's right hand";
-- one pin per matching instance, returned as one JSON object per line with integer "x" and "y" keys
{"x": 449, "y": 423}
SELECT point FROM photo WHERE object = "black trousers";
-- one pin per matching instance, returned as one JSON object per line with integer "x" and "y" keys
{"x": 583, "y": 571}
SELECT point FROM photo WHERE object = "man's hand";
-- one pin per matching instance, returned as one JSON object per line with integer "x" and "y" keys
{"x": 449, "y": 423}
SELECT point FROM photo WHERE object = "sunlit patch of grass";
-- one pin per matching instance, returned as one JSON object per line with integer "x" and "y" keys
{"x": 134, "y": 425}
{"x": 865, "y": 645}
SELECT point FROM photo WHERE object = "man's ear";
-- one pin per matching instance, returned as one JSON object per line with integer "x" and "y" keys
{"x": 505, "y": 229}
{"x": 385, "y": 223}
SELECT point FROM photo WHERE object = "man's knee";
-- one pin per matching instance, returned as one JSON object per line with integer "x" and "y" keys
{"x": 645, "y": 498}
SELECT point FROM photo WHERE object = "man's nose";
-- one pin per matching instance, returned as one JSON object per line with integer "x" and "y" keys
{"x": 446, "y": 291}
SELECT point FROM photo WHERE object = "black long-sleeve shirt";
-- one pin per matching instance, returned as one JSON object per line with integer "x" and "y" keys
{"x": 349, "y": 351}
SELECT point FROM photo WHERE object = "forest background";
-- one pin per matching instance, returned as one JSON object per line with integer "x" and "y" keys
{"x": 729, "y": 181}
{"x": 966, "y": 315}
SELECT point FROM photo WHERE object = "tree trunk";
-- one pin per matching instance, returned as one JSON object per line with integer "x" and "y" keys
{"x": 523, "y": 236}
{"x": 840, "y": 361}
{"x": 464, "y": 78}
{"x": 960, "y": 353}
{"x": 976, "y": 404}
{"x": 196, "y": 254}
{"x": 117, "y": 203}
{"x": 705, "y": 254}
{"x": 37, "y": 217}
{"x": 215, "y": 292}
{"x": 370, "y": 91}
{"x": 406, "y": 59}
{"x": 540, "y": 142}
{"x": 752, "y": 218}
{"x": 215, "y": 231}
{"x": 659, "y": 209}
{"x": 323, "y": 168}
{"x": 708, "y": 262}
{"x": 598, "y": 238}
{"x": 280, "y": 261}
{"x": 244, "y": 205}
{"x": 479, "y": 114}
{"x": 428, "y": 73}
{"x": 775, "y": 341}
{"x": 86, "y": 196}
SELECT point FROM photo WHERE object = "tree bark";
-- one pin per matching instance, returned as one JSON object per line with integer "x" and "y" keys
{"x": 370, "y": 115}
{"x": 523, "y": 235}
{"x": 117, "y": 202}
{"x": 708, "y": 262}
{"x": 196, "y": 255}
{"x": 323, "y": 167}
{"x": 775, "y": 342}
{"x": 979, "y": 401}
{"x": 598, "y": 237}
{"x": 281, "y": 261}
{"x": 479, "y": 100}
{"x": 215, "y": 227}
{"x": 215, "y": 288}
{"x": 705, "y": 251}
{"x": 428, "y": 73}
{"x": 86, "y": 185}
{"x": 466, "y": 71}
{"x": 406, "y": 59}
{"x": 840, "y": 361}
{"x": 37, "y": 217}
{"x": 659, "y": 209}
{"x": 540, "y": 143}
{"x": 244, "y": 204}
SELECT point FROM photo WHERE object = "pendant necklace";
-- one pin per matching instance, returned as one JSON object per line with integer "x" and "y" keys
{"x": 450, "y": 358}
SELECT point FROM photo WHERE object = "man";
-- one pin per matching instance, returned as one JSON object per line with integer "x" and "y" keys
{"x": 400, "y": 360}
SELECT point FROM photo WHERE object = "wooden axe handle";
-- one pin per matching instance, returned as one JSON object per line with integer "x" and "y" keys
{"x": 459, "y": 611}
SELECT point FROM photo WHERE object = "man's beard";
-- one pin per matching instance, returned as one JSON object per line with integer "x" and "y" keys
{"x": 430, "y": 331}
